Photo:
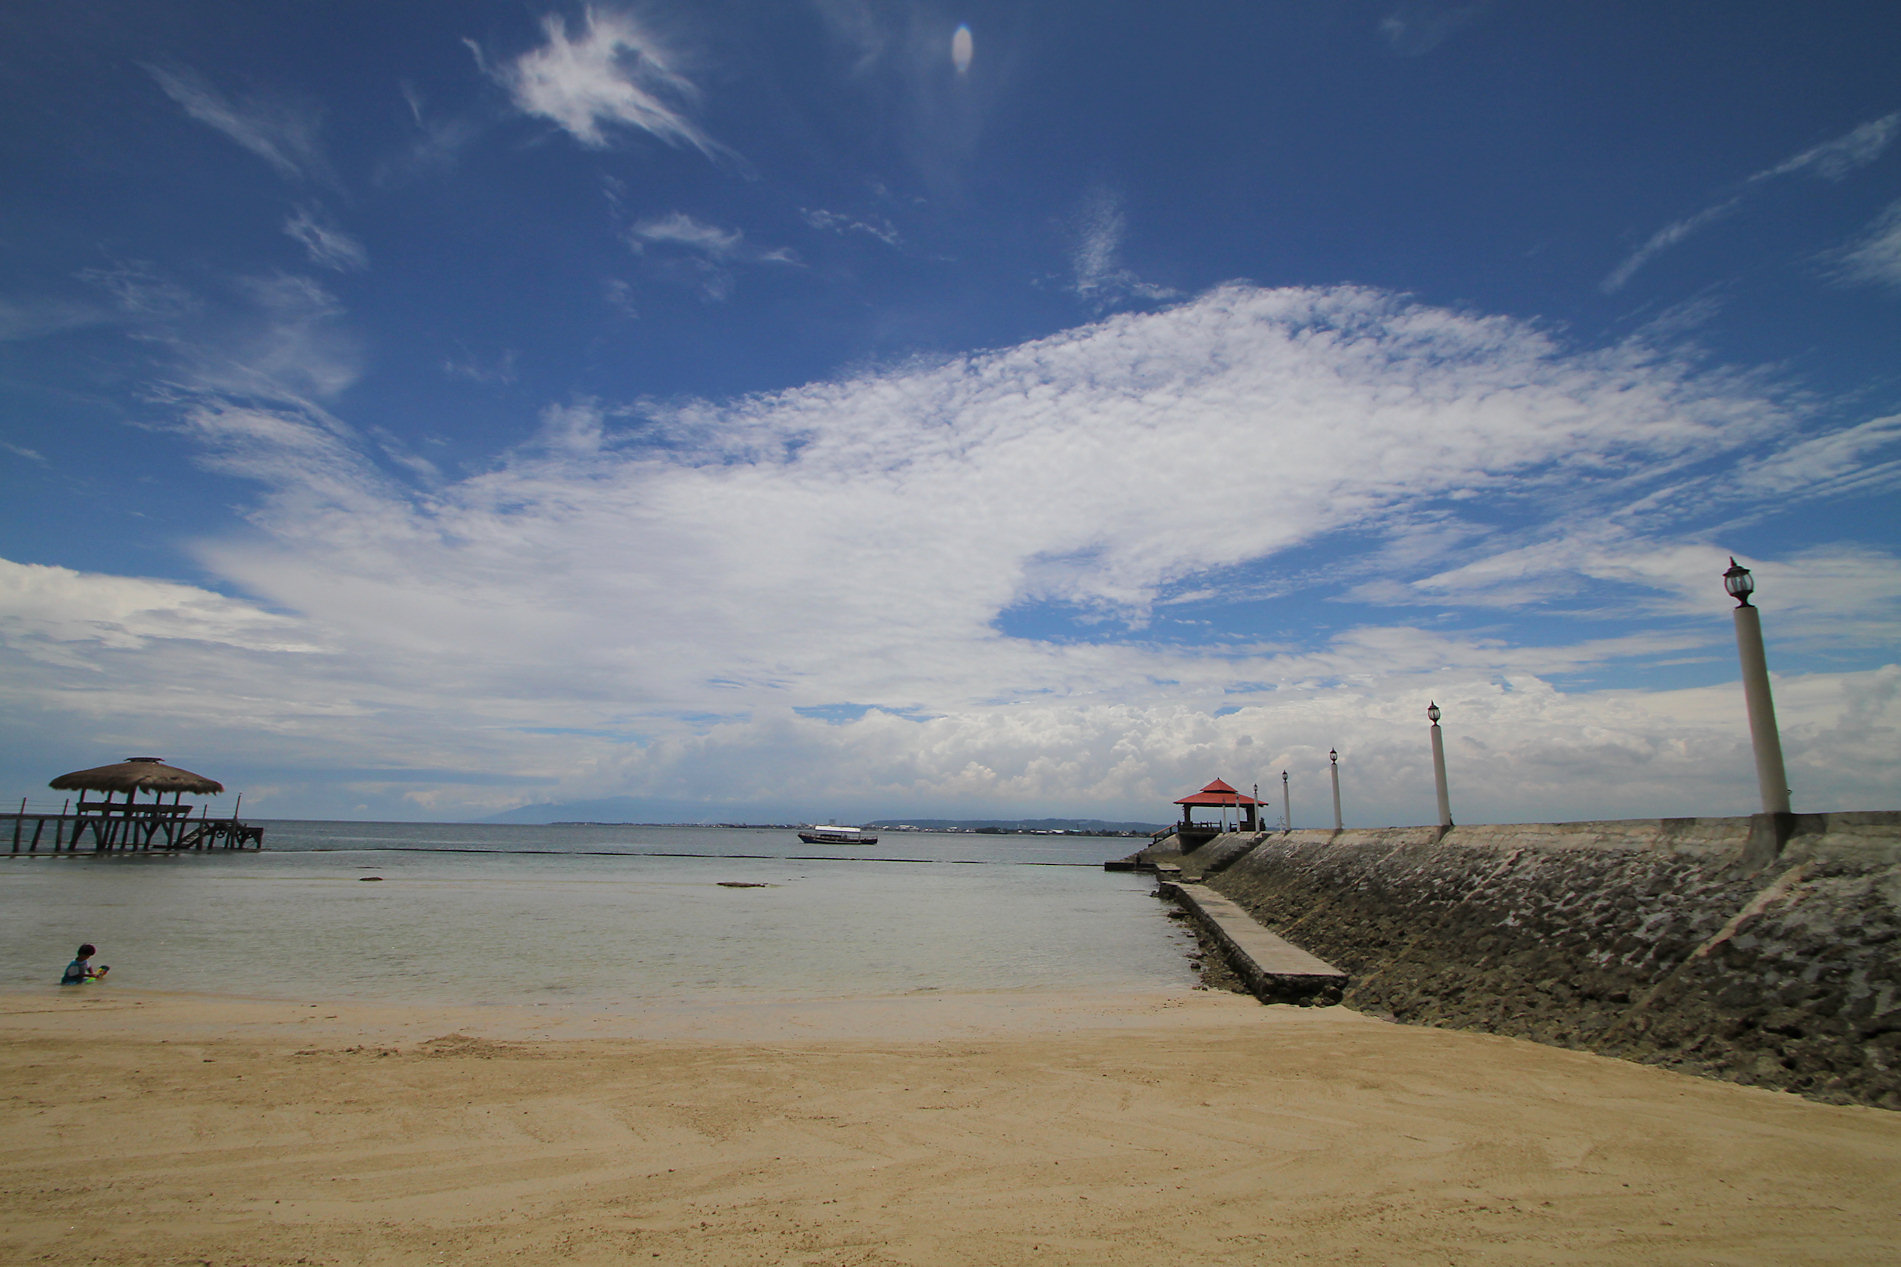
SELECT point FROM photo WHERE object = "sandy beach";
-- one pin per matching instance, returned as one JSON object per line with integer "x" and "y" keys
{"x": 1193, "y": 1127}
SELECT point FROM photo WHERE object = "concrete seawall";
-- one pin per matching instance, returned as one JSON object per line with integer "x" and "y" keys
{"x": 1695, "y": 943}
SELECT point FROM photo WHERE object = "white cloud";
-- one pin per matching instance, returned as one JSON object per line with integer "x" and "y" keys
{"x": 1095, "y": 259}
{"x": 141, "y": 294}
{"x": 637, "y": 601}
{"x": 684, "y": 232}
{"x": 1859, "y": 459}
{"x": 1416, "y": 27}
{"x": 277, "y": 337}
{"x": 500, "y": 368}
{"x": 1831, "y": 160}
{"x": 856, "y": 23}
{"x": 54, "y": 611}
{"x": 1833, "y": 595}
{"x": 1875, "y": 256}
{"x": 327, "y": 245}
{"x": 700, "y": 253}
{"x": 1662, "y": 240}
{"x": 616, "y": 72}
{"x": 835, "y": 222}
{"x": 289, "y": 344}
{"x": 35, "y": 318}
{"x": 1834, "y": 159}
{"x": 435, "y": 150}
{"x": 282, "y": 134}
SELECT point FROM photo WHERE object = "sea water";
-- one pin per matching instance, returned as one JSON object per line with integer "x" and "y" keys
{"x": 608, "y": 917}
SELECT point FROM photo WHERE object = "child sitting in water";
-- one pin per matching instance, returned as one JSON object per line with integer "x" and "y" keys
{"x": 80, "y": 970}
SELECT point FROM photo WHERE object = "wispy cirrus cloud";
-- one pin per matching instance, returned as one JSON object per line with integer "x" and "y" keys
{"x": 678, "y": 229}
{"x": 282, "y": 133}
{"x": 1831, "y": 160}
{"x": 1875, "y": 255}
{"x": 143, "y": 294}
{"x": 1662, "y": 240}
{"x": 613, "y": 72}
{"x": 1416, "y": 27}
{"x": 1862, "y": 458}
{"x": 37, "y": 317}
{"x": 327, "y": 245}
{"x": 837, "y": 222}
{"x": 1095, "y": 257}
{"x": 274, "y": 336}
{"x": 702, "y": 253}
{"x": 498, "y": 369}
{"x": 434, "y": 149}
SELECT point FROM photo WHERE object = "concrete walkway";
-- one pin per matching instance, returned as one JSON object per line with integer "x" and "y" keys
{"x": 1273, "y": 969}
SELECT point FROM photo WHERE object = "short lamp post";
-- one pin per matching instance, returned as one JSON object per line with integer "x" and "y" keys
{"x": 1439, "y": 766}
{"x": 1333, "y": 758}
{"x": 1771, "y": 777}
{"x": 1287, "y": 811}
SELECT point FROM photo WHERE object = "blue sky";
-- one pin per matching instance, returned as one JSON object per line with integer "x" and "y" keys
{"x": 746, "y": 410}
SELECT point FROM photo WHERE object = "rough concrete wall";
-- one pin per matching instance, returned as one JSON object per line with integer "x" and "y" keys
{"x": 1205, "y": 859}
{"x": 1670, "y": 941}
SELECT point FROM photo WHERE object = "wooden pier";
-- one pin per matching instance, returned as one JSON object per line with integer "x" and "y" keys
{"x": 115, "y": 827}
{"x": 132, "y": 825}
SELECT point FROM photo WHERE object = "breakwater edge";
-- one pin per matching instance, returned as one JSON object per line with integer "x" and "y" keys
{"x": 1717, "y": 946}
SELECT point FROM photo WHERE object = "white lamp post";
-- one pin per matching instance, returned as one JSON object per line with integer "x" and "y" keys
{"x": 1333, "y": 758}
{"x": 1771, "y": 777}
{"x": 1439, "y": 766}
{"x": 1287, "y": 812}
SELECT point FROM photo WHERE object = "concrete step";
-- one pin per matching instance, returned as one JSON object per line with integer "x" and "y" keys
{"x": 1273, "y": 969}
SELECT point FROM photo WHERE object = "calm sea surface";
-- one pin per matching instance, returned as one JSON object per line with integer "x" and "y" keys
{"x": 601, "y": 916}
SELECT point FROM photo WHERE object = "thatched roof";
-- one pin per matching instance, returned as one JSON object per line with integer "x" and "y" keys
{"x": 136, "y": 774}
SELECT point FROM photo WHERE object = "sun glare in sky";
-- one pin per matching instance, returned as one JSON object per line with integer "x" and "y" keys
{"x": 961, "y": 49}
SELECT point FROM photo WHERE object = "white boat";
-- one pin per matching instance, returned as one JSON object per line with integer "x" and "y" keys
{"x": 827, "y": 834}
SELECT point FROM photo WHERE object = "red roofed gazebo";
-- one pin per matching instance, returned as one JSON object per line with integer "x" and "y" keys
{"x": 1221, "y": 796}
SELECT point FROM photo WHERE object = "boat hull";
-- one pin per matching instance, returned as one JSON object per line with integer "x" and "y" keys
{"x": 822, "y": 837}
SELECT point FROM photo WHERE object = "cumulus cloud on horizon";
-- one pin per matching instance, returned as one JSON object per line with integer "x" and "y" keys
{"x": 650, "y": 599}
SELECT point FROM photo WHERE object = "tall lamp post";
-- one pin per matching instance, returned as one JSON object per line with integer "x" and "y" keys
{"x": 1771, "y": 778}
{"x": 1439, "y": 766}
{"x": 1287, "y": 812}
{"x": 1333, "y": 758}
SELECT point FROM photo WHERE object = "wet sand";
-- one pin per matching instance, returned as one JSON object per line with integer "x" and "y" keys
{"x": 1006, "y": 1129}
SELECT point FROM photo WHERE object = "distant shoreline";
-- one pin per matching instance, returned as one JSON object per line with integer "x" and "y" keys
{"x": 976, "y": 827}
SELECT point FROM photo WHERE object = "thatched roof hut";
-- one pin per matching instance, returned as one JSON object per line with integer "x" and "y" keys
{"x": 137, "y": 774}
